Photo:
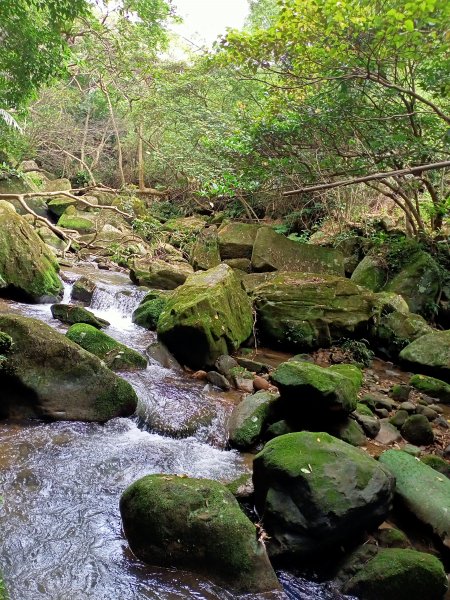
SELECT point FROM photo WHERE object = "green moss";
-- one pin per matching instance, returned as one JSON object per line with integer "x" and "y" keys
{"x": 300, "y": 311}
{"x": 315, "y": 387}
{"x": 3, "y": 591}
{"x": 363, "y": 409}
{"x": 392, "y": 538}
{"x": 371, "y": 273}
{"x": 72, "y": 314}
{"x": 116, "y": 355}
{"x": 148, "y": 312}
{"x": 429, "y": 353}
{"x": 58, "y": 205}
{"x": 422, "y": 490}
{"x": 352, "y": 372}
{"x": 436, "y": 388}
{"x": 437, "y": 463}
{"x": 118, "y": 400}
{"x": 57, "y": 379}
{"x": 5, "y": 343}
{"x": 249, "y": 418}
{"x": 240, "y": 373}
{"x": 208, "y": 316}
{"x": 27, "y": 266}
{"x": 81, "y": 224}
{"x": 399, "y": 574}
{"x": 196, "y": 524}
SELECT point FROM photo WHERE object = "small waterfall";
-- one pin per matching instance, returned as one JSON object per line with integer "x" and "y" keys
{"x": 116, "y": 304}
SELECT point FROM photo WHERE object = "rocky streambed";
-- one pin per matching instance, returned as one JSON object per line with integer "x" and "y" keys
{"x": 61, "y": 482}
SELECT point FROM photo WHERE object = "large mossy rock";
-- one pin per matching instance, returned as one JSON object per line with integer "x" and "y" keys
{"x": 371, "y": 273}
{"x": 314, "y": 492}
{"x": 79, "y": 221}
{"x": 436, "y": 388}
{"x": 419, "y": 282}
{"x": 273, "y": 251}
{"x": 195, "y": 524}
{"x": 208, "y": 316}
{"x": 413, "y": 274}
{"x": 28, "y": 268}
{"x": 302, "y": 311}
{"x": 314, "y": 390}
{"x": 58, "y": 205}
{"x": 422, "y": 490}
{"x": 236, "y": 240}
{"x": 429, "y": 354}
{"x": 249, "y": 419}
{"x": 48, "y": 376}
{"x": 391, "y": 332}
{"x": 116, "y": 356}
{"x": 205, "y": 253}
{"x": 399, "y": 574}
{"x": 58, "y": 185}
{"x": 149, "y": 310}
{"x": 160, "y": 274}
{"x": 71, "y": 314}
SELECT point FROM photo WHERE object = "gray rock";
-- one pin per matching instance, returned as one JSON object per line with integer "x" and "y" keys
{"x": 218, "y": 380}
{"x": 388, "y": 434}
{"x": 418, "y": 431}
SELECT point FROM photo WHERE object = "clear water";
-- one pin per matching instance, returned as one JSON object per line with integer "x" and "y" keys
{"x": 60, "y": 483}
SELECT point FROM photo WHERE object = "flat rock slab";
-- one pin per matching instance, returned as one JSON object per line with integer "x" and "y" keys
{"x": 424, "y": 491}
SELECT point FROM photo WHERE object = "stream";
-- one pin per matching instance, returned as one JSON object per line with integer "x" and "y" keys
{"x": 60, "y": 483}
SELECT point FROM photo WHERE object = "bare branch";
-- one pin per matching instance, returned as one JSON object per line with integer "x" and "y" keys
{"x": 411, "y": 171}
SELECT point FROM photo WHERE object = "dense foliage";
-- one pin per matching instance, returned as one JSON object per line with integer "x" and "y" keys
{"x": 309, "y": 92}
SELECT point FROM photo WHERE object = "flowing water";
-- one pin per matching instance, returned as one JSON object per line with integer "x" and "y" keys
{"x": 60, "y": 483}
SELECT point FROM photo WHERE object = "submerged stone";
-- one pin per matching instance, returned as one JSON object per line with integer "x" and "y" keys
{"x": 195, "y": 524}
{"x": 117, "y": 356}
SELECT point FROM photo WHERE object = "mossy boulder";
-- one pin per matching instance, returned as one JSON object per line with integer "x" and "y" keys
{"x": 350, "y": 431}
{"x": 205, "y": 252}
{"x": 311, "y": 389}
{"x": 301, "y": 311}
{"x": 371, "y": 273}
{"x": 419, "y": 282}
{"x": 208, "y": 316}
{"x": 115, "y": 355}
{"x": 51, "y": 377}
{"x": 249, "y": 419}
{"x": 417, "y": 430}
{"x": 58, "y": 185}
{"x": 78, "y": 221}
{"x": 399, "y": 574}
{"x": 195, "y": 524}
{"x": 58, "y": 205}
{"x": 160, "y": 274}
{"x": 149, "y": 310}
{"x": 28, "y": 268}
{"x": 436, "y": 388}
{"x": 83, "y": 290}
{"x": 352, "y": 372}
{"x": 422, "y": 490}
{"x": 429, "y": 354}
{"x": 236, "y": 240}
{"x": 315, "y": 492}
{"x": 273, "y": 251}
{"x": 71, "y": 314}
{"x": 391, "y": 332}
{"x": 51, "y": 239}
{"x": 437, "y": 463}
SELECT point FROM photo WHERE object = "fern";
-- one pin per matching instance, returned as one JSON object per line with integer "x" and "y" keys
{"x": 9, "y": 120}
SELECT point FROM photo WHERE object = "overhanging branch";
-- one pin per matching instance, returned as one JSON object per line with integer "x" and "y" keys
{"x": 384, "y": 175}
